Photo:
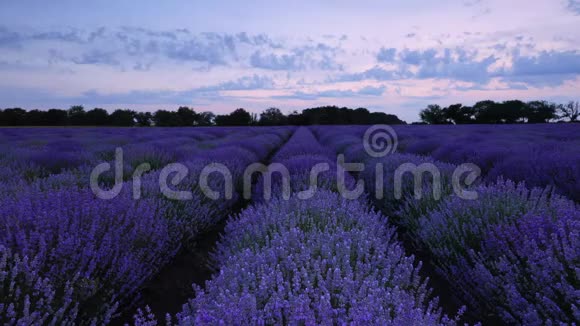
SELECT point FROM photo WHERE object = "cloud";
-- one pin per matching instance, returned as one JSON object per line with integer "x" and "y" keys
{"x": 318, "y": 57}
{"x": 131, "y": 47}
{"x": 96, "y": 57}
{"x": 151, "y": 97}
{"x": 574, "y": 6}
{"x": 177, "y": 97}
{"x": 14, "y": 96}
{"x": 70, "y": 36}
{"x": 210, "y": 47}
{"x": 455, "y": 64}
{"x": 258, "y": 40}
{"x": 386, "y": 55}
{"x": 548, "y": 63}
{"x": 471, "y": 3}
{"x": 334, "y": 93}
{"x": 255, "y": 59}
{"x": 134, "y": 97}
{"x": 9, "y": 38}
{"x": 372, "y": 91}
{"x": 375, "y": 73}
{"x": 417, "y": 57}
{"x": 275, "y": 62}
{"x": 548, "y": 68}
{"x": 139, "y": 48}
{"x": 244, "y": 83}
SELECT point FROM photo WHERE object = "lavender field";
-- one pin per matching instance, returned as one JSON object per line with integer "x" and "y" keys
{"x": 173, "y": 228}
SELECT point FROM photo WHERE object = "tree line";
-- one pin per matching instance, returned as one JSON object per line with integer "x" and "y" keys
{"x": 491, "y": 112}
{"x": 185, "y": 116}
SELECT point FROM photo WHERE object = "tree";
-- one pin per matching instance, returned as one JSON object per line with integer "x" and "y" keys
{"x": 376, "y": 118}
{"x": 326, "y": 115}
{"x": 466, "y": 115}
{"x": 123, "y": 118}
{"x": 359, "y": 116}
{"x": 35, "y": 118}
{"x": 540, "y": 112}
{"x": 570, "y": 111}
{"x": 272, "y": 117}
{"x": 433, "y": 114}
{"x": 186, "y": 116}
{"x": 222, "y": 120}
{"x": 513, "y": 111}
{"x": 487, "y": 112}
{"x": 163, "y": 118}
{"x": 14, "y": 117}
{"x": 253, "y": 119}
{"x": 76, "y": 115}
{"x": 239, "y": 117}
{"x": 333, "y": 115}
{"x": 143, "y": 119}
{"x": 205, "y": 119}
{"x": 453, "y": 114}
{"x": 459, "y": 114}
{"x": 56, "y": 117}
{"x": 97, "y": 117}
{"x": 296, "y": 119}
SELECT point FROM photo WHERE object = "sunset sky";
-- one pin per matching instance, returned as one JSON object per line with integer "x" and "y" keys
{"x": 390, "y": 56}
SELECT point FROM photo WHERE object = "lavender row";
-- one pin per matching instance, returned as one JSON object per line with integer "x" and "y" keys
{"x": 299, "y": 155}
{"x": 325, "y": 260}
{"x": 200, "y": 212}
{"x": 26, "y": 157}
{"x": 539, "y": 155}
{"x": 512, "y": 253}
{"x": 71, "y": 258}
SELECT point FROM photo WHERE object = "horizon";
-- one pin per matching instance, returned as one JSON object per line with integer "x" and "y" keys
{"x": 388, "y": 57}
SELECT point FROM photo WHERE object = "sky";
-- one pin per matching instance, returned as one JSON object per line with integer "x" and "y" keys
{"x": 388, "y": 56}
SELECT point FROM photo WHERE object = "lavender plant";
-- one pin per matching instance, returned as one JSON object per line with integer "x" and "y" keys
{"x": 460, "y": 234}
{"x": 527, "y": 271}
{"x": 321, "y": 261}
{"x": 71, "y": 253}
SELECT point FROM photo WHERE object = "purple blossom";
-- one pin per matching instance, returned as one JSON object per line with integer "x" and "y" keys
{"x": 471, "y": 248}
{"x": 321, "y": 261}
{"x": 530, "y": 267}
{"x": 92, "y": 254}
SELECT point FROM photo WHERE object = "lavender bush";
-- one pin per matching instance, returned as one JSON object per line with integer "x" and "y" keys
{"x": 407, "y": 208}
{"x": 70, "y": 253}
{"x": 461, "y": 235}
{"x": 322, "y": 261}
{"x": 541, "y": 155}
{"x": 527, "y": 271}
{"x": 27, "y": 298}
{"x": 299, "y": 156}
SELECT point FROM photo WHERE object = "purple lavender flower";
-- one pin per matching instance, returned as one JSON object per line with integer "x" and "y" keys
{"x": 321, "y": 261}
{"x": 92, "y": 254}
{"x": 527, "y": 270}
{"x": 464, "y": 238}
